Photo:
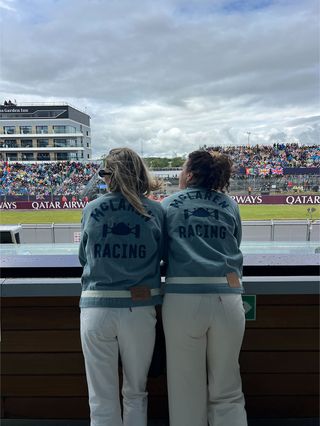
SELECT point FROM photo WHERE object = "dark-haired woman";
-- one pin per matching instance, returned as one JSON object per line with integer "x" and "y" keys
{"x": 120, "y": 251}
{"x": 203, "y": 314}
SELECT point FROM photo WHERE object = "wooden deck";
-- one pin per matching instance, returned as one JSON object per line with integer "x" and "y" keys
{"x": 43, "y": 372}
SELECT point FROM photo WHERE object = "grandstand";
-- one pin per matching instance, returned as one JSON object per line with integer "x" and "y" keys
{"x": 257, "y": 169}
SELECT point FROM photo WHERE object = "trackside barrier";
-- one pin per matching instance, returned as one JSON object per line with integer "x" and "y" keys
{"x": 37, "y": 233}
{"x": 66, "y": 233}
{"x": 290, "y": 231}
{"x": 281, "y": 230}
{"x": 260, "y": 230}
{"x": 50, "y": 233}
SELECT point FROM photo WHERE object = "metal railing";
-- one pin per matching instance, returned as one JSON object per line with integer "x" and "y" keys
{"x": 263, "y": 230}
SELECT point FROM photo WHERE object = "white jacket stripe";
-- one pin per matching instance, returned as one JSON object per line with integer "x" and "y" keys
{"x": 114, "y": 293}
{"x": 198, "y": 280}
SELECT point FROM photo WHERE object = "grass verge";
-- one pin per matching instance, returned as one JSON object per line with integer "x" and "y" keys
{"x": 248, "y": 212}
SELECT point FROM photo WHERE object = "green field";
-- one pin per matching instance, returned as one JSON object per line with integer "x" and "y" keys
{"x": 248, "y": 212}
{"x": 278, "y": 212}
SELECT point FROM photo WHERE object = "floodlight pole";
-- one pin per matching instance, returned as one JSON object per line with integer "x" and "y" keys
{"x": 248, "y": 133}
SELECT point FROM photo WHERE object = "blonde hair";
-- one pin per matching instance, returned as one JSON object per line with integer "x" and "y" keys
{"x": 129, "y": 175}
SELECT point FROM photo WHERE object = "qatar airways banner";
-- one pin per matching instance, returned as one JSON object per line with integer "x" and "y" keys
{"x": 240, "y": 199}
{"x": 42, "y": 205}
{"x": 276, "y": 199}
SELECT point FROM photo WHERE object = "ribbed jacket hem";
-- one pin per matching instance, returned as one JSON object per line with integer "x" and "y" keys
{"x": 108, "y": 302}
{"x": 201, "y": 289}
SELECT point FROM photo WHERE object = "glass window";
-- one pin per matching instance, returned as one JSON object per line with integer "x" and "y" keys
{"x": 59, "y": 143}
{"x": 73, "y": 156}
{"x": 43, "y": 156}
{"x": 64, "y": 129}
{"x": 42, "y": 143}
{"x": 9, "y": 130}
{"x": 48, "y": 113}
{"x": 27, "y": 156}
{"x": 5, "y": 237}
{"x": 42, "y": 129}
{"x": 62, "y": 156}
{"x": 73, "y": 142}
{"x": 12, "y": 156}
{"x": 10, "y": 143}
{"x": 59, "y": 129}
{"x": 25, "y": 129}
{"x": 27, "y": 143}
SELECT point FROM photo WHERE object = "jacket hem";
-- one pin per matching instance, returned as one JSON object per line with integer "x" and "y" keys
{"x": 94, "y": 302}
{"x": 201, "y": 289}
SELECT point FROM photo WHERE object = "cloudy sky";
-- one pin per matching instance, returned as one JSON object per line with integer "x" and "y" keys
{"x": 164, "y": 77}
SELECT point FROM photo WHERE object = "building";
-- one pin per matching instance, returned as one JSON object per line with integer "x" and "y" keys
{"x": 44, "y": 132}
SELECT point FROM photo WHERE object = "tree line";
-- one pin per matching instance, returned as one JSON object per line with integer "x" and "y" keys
{"x": 158, "y": 162}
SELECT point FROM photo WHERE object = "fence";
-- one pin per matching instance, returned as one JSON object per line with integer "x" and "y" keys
{"x": 262, "y": 230}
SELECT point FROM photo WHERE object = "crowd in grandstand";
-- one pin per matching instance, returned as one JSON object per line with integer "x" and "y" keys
{"x": 77, "y": 178}
{"x": 45, "y": 179}
{"x": 281, "y": 155}
{"x": 69, "y": 178}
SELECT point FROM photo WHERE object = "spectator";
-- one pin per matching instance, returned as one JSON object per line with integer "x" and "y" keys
{"x": 203, "y": 314}
{"x": 120, "y": 286}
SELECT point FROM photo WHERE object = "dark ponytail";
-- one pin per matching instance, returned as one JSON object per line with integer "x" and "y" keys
{"x": 210, "y": 170}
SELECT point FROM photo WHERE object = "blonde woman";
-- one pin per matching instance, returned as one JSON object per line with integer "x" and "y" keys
{"x": 120, "y": 251}
{"x": 203, "y": 314}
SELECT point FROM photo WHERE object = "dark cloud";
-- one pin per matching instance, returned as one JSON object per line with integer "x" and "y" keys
{"x": 212, "y": 70}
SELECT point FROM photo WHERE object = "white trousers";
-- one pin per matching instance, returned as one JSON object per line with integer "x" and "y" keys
{"x": 104, "y": 333}
{"x": 203, "y": 339}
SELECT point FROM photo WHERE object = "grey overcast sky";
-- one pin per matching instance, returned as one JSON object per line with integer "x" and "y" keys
{"x": 164, "y": 77}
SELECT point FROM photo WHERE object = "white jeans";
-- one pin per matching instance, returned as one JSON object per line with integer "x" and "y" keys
{"x": 105, "y": 332}
{"x": 203, "y": 338}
